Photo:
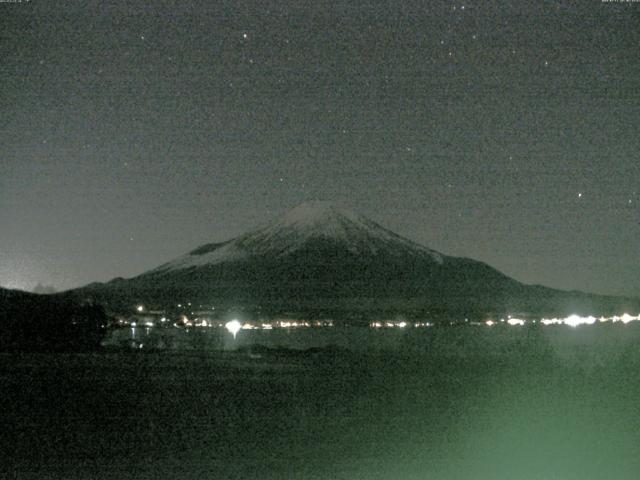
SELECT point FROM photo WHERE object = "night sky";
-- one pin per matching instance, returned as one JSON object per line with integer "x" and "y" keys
{"x": 132, "y": 132}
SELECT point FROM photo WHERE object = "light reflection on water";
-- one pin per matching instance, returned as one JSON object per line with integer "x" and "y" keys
{"x": 222, "y": 339}
{"x": 487, "y": 420}
{"x": 563, "y": 341}
{"x": 341, "y": 418}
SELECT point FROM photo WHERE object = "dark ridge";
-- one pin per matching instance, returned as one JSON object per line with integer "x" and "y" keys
{"x": 43, "y": 323}
{"x": 209, "y": 247}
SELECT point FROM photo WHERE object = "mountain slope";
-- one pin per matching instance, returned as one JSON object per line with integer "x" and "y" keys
{"x": 319, "y": 259}
{"x": 303, "y": 226}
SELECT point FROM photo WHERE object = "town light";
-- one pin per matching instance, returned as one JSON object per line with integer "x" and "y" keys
{"x": 233, "y": 327}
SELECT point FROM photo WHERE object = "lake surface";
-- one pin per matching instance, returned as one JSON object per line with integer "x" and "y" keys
{"x": 603, "y": 339}
{"x": 446, "y": 404}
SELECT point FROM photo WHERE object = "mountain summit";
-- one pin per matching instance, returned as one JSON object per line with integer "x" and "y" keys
{"x": 320, "y": 259}
{"x": 311, "y": 224}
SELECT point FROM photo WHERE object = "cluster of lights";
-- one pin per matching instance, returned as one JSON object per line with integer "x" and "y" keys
{"x": 571, "y": 320}
{"x": 201, "y": 322}
{"x": 401, "y": 324}
{"x": 575, "y": 320}
{"x": 292, "y": 324}
{"x": 236, "y": 325}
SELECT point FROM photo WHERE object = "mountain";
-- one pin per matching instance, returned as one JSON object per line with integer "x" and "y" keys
{"x": 34, "y": 322}
{"x": 322, "y": 260}
{"x": 310, "y": 226}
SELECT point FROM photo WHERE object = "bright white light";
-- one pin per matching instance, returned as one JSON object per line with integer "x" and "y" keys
{"x": 515, "y": 321}
{"x": 140, "y": 308}
{"x": 575, "y": 320}
{"x": 572, "y": 321}
{"x": 626, "y": 318}
{"x": 233, "y": 327}
{"x": 402, "y": 324}
{"x": 490, "y": 323}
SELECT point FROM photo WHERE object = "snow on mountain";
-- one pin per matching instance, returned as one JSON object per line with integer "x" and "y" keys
{"x": 308, "y": 222}
{"x": 322, "y": 259}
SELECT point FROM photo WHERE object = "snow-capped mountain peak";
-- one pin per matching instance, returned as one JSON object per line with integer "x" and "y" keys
{"x": 317, "y": 213}
{"x": 318, "y": 220}
{"x": 311, "y": 221}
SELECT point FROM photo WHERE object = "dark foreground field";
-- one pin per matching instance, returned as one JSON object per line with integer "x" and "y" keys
{"x": 524, "y": 414}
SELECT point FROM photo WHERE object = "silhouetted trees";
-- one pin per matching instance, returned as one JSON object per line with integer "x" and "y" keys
{"x": 30, "y": 322}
